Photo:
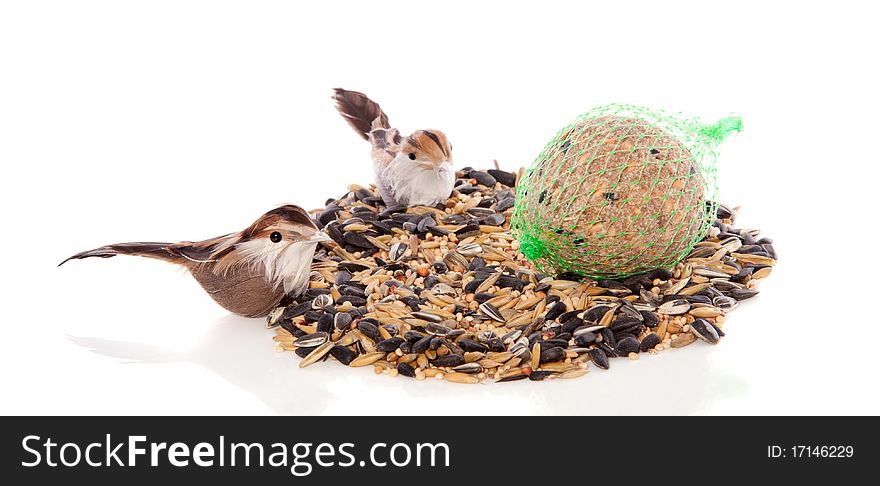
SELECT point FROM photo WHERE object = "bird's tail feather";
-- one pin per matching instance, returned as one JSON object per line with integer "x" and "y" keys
{"x": 161, "y": 251}
{"x": 362, "y": 113}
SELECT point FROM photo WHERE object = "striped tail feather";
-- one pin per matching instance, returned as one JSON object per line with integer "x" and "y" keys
{"x": 161, "y": 251}
{"x": 362, "y": 113}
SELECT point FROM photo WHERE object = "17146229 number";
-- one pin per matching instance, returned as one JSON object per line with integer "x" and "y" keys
{"x": 825, "y": 451}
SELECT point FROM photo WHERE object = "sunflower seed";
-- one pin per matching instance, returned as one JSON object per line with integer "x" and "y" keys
{"x": 469, "y": 368}
{"x": 648, "y": 342}
{"x": 342, "y": 320}
{"x": 343, "y": 354}
{"x": 627, "y": 345}
{"x": 322, "y": 301}
{"x": 437, "y": 329}
{"x": 312, "y": 340}
{"x": 455, "y": 261}
{"x": 599, "y": 358}
{"x": 448, "y": 360}
{"x": 742, "y": 294}
{"x": 398, "y": 250}
{"x": 406, "y": 369}
{"x": 470, "y": 249}
{"x": 274, "y": 318}
{"x": 552, "y": 354}
{"x": 491, "y": 312}
{"x": 443, "y": 289}
{"x": 428, "y": 316}
{"x": 705, "y": 331}
{"x": 389, "y": 345}
{"x": 674, "y": 307}
{"x": 585, "y": 339}
{"x": 725, "y": 303}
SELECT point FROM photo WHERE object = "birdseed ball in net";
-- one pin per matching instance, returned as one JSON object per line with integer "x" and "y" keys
{"x": 619, "y": 191}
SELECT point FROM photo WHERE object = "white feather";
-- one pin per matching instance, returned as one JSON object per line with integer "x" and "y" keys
{"x": 283, "y": 264}
{"x": 413, "y": 184}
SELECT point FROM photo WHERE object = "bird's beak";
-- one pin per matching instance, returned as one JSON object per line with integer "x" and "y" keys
{"x": 320, "y": 236}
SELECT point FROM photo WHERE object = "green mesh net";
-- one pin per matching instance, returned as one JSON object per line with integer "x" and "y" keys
{"x": 619, "y": 191}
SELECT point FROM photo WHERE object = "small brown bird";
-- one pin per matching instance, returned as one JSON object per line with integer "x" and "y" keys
{"x": 248, "y": 272}
{"x": 410, "y": 171}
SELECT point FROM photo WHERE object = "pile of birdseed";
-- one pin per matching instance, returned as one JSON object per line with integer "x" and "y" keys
{"x": 443, "y": 292}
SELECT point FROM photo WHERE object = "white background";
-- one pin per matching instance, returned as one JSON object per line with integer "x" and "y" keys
{"x": 172, "y": 120}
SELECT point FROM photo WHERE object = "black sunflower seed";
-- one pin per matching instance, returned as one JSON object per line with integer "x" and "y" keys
{"x": 313, "y": 315}
{"x": 328, "y": 214}
{"x": 585, "y": 339}
{"x": 595, "y": 313}
{"x": 448, "y": 360}
{"x": 342, "y": 320}
{"x": 343, "y": 354}
{"x": 390, "y": 344}
{"x": 555, "y": 311}
{"x": 570, "y": 325}
{"x": 742, "y": 294}
{"x": 504, "y": 204}
{"x": 495, "y": 344}
{"x": 608, "y": 337}
{"x": 481, "y": 297}
{"x": 368, "y": 329}
{"x": 325, "y": 323}
{"x": 598, "y": 357}
{"x": 552, "y": 354}
{"x": 539, "y": 375}
{"x": 296, "y": 310}
{"x": 648, "y": 342}
{"x": 406, "y": 369}
{"x": 553, "y": 343}
{"x": 650, "y": 319}
{"x": 289, "y": 327}
{"x": 413, "y": 336}
{"x": 471, "y": 286}
{"x": 469, "y": 345}
{"x": 506, "y": 178}
{"x": 356, "y": 239}
{"x": 477, "y": 263}
{"x": 422, "y": 344}
{"x": 495, "y": 219}
{"x": 627, "y": 345}
{"x": 624, "y": 324}
{"x": 705, "y": 331}
{"x": 510, "y": 282}
{"x": 483, "y": 178}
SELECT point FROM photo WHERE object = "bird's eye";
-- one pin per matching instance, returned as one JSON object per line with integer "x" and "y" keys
{"x": 275, "y": 237}
{"x": 412, "y": 156}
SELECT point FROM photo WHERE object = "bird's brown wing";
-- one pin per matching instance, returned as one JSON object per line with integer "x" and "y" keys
{"x": 241, "y": 290}
{"x": 206, "y": 250}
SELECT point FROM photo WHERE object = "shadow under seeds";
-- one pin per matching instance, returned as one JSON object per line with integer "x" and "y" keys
{"x": 241, "y": 351}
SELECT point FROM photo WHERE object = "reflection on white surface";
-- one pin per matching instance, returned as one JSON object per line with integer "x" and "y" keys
{"x": 241, "y": 351}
